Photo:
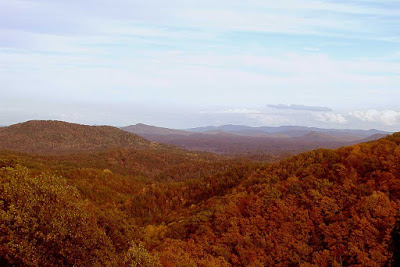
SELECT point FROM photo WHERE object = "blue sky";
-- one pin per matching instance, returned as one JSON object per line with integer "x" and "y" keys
{"x": 193, "y": 63}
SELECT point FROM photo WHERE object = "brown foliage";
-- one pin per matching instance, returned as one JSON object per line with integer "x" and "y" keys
{"x": 323, "y": 208}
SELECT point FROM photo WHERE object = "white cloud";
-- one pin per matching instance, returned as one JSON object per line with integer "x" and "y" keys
{"x": 386, "y": 117}
{"x": 300, "y": 107}
{"x": 286, "y": 16}
{"x": 332, "y": 118}
{"x": 263, "y": 119}
{"x": 234, "y": 80}
{"x": 232, "y": 111}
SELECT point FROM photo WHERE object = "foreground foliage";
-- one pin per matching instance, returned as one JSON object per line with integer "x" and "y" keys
{"x": 44, "y": 221}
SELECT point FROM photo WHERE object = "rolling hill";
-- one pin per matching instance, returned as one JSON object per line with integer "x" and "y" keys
{"x": 57, "y": 137}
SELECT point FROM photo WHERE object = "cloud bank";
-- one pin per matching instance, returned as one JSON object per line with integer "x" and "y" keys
{"x": 300, "y": 107}
{"x": 386, "y": 117}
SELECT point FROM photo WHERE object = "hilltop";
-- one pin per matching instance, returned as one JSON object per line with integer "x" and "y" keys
{"x": 57, "y": 137}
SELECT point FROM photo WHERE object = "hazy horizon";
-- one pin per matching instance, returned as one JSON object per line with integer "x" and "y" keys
{"x": 328, "y": 64}
{"x": 195, "y": 127}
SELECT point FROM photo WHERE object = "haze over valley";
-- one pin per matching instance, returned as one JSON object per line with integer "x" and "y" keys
{"x": 234, "y": 139}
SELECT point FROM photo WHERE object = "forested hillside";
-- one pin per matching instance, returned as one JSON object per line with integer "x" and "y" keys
{"x": 162, "y": 206}
{"x": 321, "y": 208}
{"x": 57, "y": 137}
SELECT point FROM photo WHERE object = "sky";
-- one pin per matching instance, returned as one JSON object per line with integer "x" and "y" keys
{"x": 185, "y": 63}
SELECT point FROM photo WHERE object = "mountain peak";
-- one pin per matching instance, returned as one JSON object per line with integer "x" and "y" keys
{"x": 59, "y": 137}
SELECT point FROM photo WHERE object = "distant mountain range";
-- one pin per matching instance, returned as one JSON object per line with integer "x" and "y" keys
{"x": 245, "y": 139}
{"x": 291, "y": 131}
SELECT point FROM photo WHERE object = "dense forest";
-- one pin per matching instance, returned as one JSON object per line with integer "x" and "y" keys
{"x": 137, "y": 203}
